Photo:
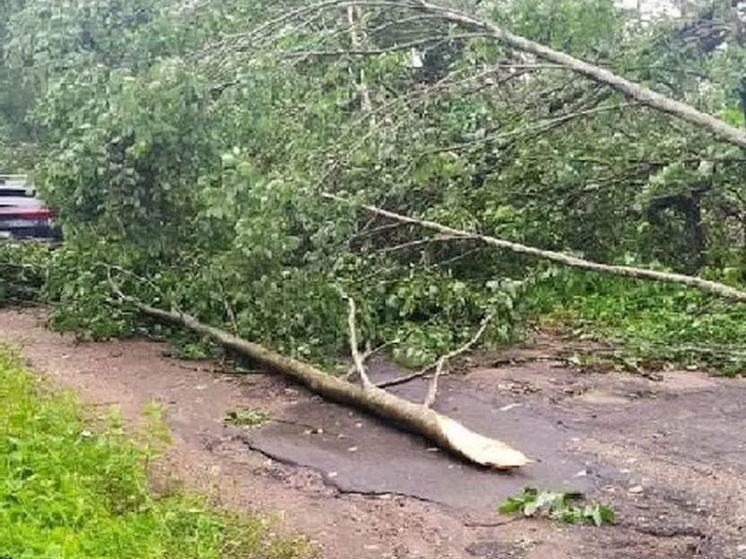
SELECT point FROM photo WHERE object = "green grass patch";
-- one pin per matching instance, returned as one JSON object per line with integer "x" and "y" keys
{"x": 652, "y": 324}
{"x": 69, "y": 489}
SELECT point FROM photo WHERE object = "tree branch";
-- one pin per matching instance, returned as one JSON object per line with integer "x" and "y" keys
{"x": 387, "y": 50}
{"x": 354, "y": 17}
{"x": 422, "y": 372}
{"x": 432, "y": 389}
{"x": 639, "y": 93}
{"x": 420, "y": 242}
{"x": 713, "y": 287}
{"x": 543, "y": 126}
{"x": 357, "y": 358}
{"x": 440, "y": 429}
{"x": 367, "y": 355}
{"x": 406, "y": 378}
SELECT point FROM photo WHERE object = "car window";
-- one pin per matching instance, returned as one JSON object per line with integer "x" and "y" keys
{"x": 11, "y": 192}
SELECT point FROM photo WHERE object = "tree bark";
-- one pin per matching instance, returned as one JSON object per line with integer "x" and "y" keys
{"x": 445, "y": 432}
{"x": 354, "y": 18}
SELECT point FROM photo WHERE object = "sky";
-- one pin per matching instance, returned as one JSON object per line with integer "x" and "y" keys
{"x": 652, "y": 7}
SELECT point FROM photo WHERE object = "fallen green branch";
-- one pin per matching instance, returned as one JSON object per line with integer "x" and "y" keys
{"x": 631, "y": 90}
{"x": 564, "y": 507}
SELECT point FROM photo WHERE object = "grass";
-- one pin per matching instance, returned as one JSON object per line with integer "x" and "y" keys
{"x": 71, "y": 489}
{"x": 652, "y": 324}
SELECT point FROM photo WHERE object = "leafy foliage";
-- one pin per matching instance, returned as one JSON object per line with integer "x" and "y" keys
{"x": 558, "y": 506}
{"x": 185, "y": 147}
{"x": 72, "y": 491}
{"x": 654, "y": 325}
{"x": 23, "y": 270}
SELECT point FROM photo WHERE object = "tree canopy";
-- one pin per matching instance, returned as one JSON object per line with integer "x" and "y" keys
{"x": 188, "y": 146}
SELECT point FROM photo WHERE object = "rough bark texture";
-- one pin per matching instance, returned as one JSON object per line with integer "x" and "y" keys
{"x": 714, "y": 287}
{"x": 445, "y": 432}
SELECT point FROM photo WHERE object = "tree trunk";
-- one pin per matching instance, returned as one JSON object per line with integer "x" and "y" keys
{"x": 445, "y": 432}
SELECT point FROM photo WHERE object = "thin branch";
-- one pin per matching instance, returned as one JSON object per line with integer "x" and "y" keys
{"x": 420, "y": 242}
{"x": 370, "y": 352}
{"x": 640, "y": 93}
{"x": 419, "y": 18}
{"x": 454, "y": 259}
{"x": 354, "y": 17}
{"x": 719, "y": 289}
{"x": 422, "y": 95}
{"x": 543, "y": 126}
{"x": 407, "y": 378}
{"x": 440, "y": 363}
{"x": 368, "y": 232}
{"x": 284, "y": 18}
{"x": 598, "y": 74}
{"x": 166, "y": 298}
{"x": 434, "y": 41}
{"x": 357, "y": 358}
{"x": 432, "y": 391}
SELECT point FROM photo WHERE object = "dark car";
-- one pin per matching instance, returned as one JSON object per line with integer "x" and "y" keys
{"x": 22, "y": 214}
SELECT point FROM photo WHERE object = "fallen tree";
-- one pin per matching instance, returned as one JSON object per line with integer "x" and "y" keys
{"x": 716, "y": 288}
{"x": 446, "y": 433}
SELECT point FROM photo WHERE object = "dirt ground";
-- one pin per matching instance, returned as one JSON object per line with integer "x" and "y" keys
{"x": 669, "y": 456}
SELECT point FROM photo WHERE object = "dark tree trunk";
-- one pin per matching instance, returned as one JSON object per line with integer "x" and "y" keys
{"x": 689, "y": 206}
{"x": 693, "y": 216}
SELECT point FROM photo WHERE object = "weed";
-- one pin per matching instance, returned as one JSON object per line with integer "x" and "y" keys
{"x": 247, "y": 418}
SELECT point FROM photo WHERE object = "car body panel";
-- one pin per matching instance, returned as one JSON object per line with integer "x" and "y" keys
{"x": 22, "y": 214}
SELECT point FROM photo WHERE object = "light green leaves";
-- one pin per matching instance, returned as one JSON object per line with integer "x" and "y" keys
{"x": 563, "y": 507}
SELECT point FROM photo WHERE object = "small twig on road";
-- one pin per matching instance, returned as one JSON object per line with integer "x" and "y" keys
{"x": 367, "y": 355}
{"x": 432, "y": 391}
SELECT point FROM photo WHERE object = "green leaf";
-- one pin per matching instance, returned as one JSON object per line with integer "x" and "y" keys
{"x": 511, "y": 505}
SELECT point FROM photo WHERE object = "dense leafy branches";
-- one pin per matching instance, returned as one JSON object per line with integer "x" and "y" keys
{"x": 188, "y": 145}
